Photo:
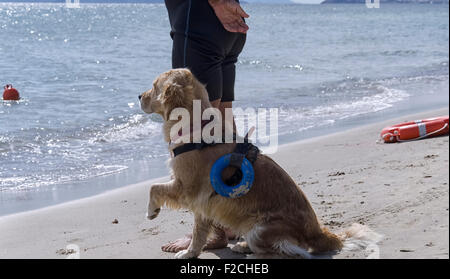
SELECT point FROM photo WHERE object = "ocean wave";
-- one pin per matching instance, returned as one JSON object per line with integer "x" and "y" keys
{"x": 429, "y": 78}
{"x": 33, "y": 182}
{"x": 383, "y": 100}
{"x": 136, "y": 127}
{"x": 55, "y": 157}
{"x": 312, "y": 117}
{"x": 255, "y": 62}
{"x": 12, "y": 103}
{"x": 395, "y": 53}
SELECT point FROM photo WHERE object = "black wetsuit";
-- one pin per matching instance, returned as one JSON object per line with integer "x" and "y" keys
{"x": 201, "y": 43}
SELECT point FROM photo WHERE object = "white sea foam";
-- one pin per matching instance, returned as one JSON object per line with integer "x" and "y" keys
{"x": 307, "y": 118}
{"x": 15, "y": 184}
{"x": 136, "y": 127}
{"x": 386, "y": 99}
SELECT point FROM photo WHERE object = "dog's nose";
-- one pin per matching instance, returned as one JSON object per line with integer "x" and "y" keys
{"x": 140, "y": 96}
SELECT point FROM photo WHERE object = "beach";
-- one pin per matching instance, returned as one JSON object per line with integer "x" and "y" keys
{"x": 400, "y": 191}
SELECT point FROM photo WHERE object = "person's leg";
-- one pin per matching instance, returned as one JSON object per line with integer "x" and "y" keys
{"x": 223, "y": 106}
{"x": 218, "y": 240}
{"x": 216, "y": 104}
{"x": 206, "y": 67}
{"x": 228, "y": 120}
{"x": 229, "y": 75}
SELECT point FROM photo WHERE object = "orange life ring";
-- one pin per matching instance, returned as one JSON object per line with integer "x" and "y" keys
{"x": 416, "y": 130}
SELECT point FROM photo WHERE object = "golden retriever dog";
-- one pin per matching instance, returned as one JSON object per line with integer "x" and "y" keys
{"x": 274, "y": 217}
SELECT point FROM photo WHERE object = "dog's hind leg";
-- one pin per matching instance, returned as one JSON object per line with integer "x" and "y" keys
{"x": 160, "y": 194}
{"x": 242, "y": 248}
{"x": 270, "y": 241}
{"x": 202, "y": 227}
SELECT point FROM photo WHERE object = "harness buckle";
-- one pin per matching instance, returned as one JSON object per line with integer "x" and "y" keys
{"x": 236, "y": 159}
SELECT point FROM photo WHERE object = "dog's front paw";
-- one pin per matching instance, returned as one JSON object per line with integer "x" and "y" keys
{"x": 186, "y": 254}
{"x": 152, "y": 213}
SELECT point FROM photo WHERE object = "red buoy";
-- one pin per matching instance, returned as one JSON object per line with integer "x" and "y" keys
{"x": 10, "y": 93}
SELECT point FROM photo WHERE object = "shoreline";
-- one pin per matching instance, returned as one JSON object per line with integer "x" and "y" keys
{"x": 58, "y": 194}
{"x": 398, "y": 190}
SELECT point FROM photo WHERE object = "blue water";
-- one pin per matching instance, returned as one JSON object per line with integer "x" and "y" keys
{"x": 79, "y": 130}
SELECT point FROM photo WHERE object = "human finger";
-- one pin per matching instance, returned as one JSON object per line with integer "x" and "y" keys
{"x": 241, "y": 12}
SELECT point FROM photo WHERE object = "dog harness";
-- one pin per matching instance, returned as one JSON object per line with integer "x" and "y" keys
{"x": 242, "y": 158}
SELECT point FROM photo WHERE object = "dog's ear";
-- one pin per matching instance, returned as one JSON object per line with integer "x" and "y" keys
{"x": 178, "y": 91}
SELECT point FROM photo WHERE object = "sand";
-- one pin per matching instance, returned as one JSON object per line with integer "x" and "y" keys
{"x": 400, "y": 191}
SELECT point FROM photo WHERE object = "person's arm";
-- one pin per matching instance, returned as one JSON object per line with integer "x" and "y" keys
{"x": 230, "y": 14}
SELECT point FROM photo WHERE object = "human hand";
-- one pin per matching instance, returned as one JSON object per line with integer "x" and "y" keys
{"x": 230, "y": 14}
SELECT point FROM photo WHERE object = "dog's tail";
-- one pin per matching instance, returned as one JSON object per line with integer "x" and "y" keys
{"x": 325, "y": 241}
{"x": 322, "y": 241}
{"x": 361, "y": 238}
{"x": 356, "y": 237}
